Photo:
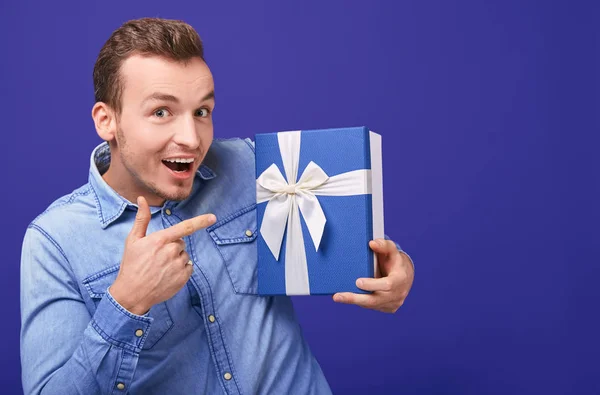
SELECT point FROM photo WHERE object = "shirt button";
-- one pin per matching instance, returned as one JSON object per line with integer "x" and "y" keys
{"x": 248, "y": 233}
{"x": 121, "y": 386}
{"x": 139, "y": 333}
{"x": 211, "y": 318}
{"x": 168, "y": 211}
{"x": 227, "y": 376}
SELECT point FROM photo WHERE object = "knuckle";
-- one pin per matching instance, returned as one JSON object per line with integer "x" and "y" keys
{"x": 387, "y": 284}
{"x": 188, "y": 228}
{"x": 174, "y": 248}
{"x": 159, "y": 239}
{"x": 156, "y": 250}
{"x": 403, "y": 276}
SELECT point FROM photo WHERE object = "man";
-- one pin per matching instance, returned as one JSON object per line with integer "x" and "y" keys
{"x": 144, "y": 279}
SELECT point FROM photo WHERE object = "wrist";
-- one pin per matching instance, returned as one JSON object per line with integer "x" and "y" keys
{"x": 123, "y": 299}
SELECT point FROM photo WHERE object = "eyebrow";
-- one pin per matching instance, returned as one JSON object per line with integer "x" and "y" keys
{"x": 158, "y": 96}
{"x": 209, "y": 95}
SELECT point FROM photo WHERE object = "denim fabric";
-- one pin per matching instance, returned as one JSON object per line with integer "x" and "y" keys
{"x": 76, "y": 339}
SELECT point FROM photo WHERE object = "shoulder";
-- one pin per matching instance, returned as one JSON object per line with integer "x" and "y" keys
{"x": 66, "y": 211}
{"x": 225, "y": 155}
{"x": 242, "y": 146}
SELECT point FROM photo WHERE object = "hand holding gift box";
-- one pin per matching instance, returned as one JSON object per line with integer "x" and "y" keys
{"x": 318, "y": 245}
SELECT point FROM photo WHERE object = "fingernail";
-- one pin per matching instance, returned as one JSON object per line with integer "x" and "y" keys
{"x": 339, "y": 298}
{"x": 359, "y": 283}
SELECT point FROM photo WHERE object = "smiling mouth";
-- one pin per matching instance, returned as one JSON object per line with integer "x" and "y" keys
{"x": 178, "y": 165}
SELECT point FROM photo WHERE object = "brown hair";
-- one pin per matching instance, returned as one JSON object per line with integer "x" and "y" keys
{"x": 171, "y": 39}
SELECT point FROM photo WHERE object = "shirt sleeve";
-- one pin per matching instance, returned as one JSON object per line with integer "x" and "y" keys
{"x": 250, "y": 142}
{"x": 64, "y": 349}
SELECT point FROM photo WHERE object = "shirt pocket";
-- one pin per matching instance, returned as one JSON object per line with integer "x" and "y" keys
{"x": 235, "y": 239}
{"x": 98, "y": 283}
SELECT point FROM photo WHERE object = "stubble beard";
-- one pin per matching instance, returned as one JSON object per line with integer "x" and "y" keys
{"x": 125, "y": 155}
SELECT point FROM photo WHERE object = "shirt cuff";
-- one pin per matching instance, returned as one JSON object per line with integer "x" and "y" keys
{"x": 120, "y": 327}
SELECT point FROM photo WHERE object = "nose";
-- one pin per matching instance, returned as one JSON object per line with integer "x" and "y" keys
{"x": 187, "y": 133}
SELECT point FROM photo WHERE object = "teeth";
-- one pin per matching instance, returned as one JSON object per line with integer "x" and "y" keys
{"x": 179, "y": 160}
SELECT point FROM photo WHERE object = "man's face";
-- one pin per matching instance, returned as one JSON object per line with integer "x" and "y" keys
{"x": 165, "y": 126}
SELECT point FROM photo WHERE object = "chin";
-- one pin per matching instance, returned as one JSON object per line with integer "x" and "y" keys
{"x": 175, "y": 194}
{"x": 178, "y": 195}
{"x": 169, "y": 190}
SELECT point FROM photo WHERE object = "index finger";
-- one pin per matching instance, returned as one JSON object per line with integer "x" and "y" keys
{"x": 185, "y": 228}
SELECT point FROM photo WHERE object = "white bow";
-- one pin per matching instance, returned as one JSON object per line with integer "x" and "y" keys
{"x": 287, "y": 199}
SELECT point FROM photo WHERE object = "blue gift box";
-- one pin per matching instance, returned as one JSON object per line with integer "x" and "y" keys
{"x": 319, "y": 203}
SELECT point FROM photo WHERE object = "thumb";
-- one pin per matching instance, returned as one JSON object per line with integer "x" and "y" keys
{"x": 142, "y": 219}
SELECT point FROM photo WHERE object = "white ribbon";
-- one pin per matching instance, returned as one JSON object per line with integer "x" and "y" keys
{"x": 287, "y": 199}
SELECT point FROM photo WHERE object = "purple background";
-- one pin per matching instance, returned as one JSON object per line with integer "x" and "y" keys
{"x": 490, "y": 167}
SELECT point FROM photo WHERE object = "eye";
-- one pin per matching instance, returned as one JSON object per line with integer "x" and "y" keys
{"x": 161, "y": 113}
{"x": 202, "y": 112}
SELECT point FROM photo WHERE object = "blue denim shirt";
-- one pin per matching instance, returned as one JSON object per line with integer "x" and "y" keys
{"x": 214, "y": 336}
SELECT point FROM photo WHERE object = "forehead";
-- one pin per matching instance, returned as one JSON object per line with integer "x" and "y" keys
{"x": 143, "y": 75}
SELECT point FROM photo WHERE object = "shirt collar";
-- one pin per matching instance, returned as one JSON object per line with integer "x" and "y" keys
{"x": 109, "y": 203}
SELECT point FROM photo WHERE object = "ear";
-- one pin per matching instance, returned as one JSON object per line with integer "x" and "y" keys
{"x": 105, "y": 121}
